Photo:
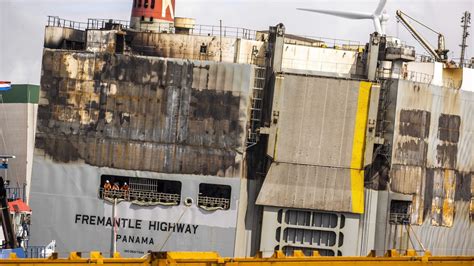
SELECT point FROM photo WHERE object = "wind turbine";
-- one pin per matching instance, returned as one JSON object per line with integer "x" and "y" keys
{"x": 379, "y": 16}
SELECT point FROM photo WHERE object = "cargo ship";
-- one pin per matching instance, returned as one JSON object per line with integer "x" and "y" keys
{"x": 162, "y": 134}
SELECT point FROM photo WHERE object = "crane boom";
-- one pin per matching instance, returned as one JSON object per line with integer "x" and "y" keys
{"x": 439, "y": 54}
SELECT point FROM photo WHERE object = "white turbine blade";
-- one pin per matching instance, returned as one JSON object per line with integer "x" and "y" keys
{"x": 383, "y": 23}
{"x": 344, "y": 14}
{"x": 378, "y": 26}
{"x": 380, "y": 7}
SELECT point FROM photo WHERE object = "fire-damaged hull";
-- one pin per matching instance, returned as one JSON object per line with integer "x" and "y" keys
{"x": 171, "y": 130}
{"x": 340, "y": 150}
{"x": 432, "y": 159}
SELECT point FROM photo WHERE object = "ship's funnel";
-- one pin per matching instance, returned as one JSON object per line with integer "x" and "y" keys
{"x": 153, "y": 15}
{"x": 183, "y": 25}
{"x": 379, "y": 17}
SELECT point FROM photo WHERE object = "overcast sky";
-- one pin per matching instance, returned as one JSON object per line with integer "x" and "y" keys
{"x": 22, "y": 22}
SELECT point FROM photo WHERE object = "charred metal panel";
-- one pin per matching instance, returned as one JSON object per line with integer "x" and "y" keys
{"x": 101, "y": 40}
{"x": 64, "y": 38}
{"x": 407, "y": 179}
{"x": 428, "y": 194}
{"x": 448, "y": 134}
{"x": 463, "y": 186}
{"x": 414, "y": 128}
{"x": 143, "y": 113}
{"x": 432, "y": 134}
{"x": 377, "y": 173}
{"x": 195, "y": 47}
{"x": 415, "y": 123}
{"x": 442, "y": 211}
{"x": 448, "y": 127}
{"x": 446, "y": 155}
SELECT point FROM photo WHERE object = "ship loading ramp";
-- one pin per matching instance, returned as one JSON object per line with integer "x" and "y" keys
{"x": 391, "y": 258}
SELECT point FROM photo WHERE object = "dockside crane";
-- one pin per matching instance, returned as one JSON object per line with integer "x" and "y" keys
{"x": 6, "y": 222}
{"x": 440, "y": 54}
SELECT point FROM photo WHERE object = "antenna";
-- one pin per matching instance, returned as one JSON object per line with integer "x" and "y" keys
{"x": 379, "y": 17}
{"x": 466, "y": 20}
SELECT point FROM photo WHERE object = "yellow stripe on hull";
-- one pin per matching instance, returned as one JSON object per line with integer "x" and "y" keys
{"x": 358, "y": 148}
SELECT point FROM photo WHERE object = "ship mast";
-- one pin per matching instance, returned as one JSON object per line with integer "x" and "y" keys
{"x": 466, "y": 21}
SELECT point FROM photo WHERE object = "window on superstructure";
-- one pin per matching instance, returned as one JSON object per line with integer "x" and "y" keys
{"x": 119, "y": 43}
{"x": 214, "y": 197}
{"x": 139, "y": 4}
{"x": 111, "y": 186}
{"x": 152, "y": 6}
{"x": 400, "y": 212}
{"x": 146, "y": 190}
{"x": 141, "y": 191}
{"x": 145, "y": 4}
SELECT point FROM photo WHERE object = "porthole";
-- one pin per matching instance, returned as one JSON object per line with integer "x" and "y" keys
{"x": 188, "y": 201}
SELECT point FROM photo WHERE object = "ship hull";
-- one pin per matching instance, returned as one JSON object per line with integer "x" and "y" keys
{"x": 69, "y": 210}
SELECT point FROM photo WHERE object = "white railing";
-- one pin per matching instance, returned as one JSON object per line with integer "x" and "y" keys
{"x": 211, "y": 203}
{"x": 417, "y": 77}
{"x": 399, "y": 218}
{"x": 194, "y": 29}
{"x": 54, "y": 21}
{"x": 326, "y": 42}
{"x": 141, "y": 196}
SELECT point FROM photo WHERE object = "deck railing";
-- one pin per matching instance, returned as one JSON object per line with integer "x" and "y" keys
{"x": 195, "y": 29}
{"x": 35, "y": 252}
{"x": 399, "y": 218}
{"x": 141, "y": 195}
{"x": 212, "y": 202}
{"x": 16, "y": 192}
{"x": 55, "y": 21}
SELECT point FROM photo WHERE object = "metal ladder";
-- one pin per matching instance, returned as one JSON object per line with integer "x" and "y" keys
{"x": 384, "y": 102}
{"x": 382, "y": 122}
{"x": 256, "y": 108}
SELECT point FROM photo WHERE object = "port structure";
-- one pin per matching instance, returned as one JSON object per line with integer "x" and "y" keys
{"x": 391, "y": 258}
